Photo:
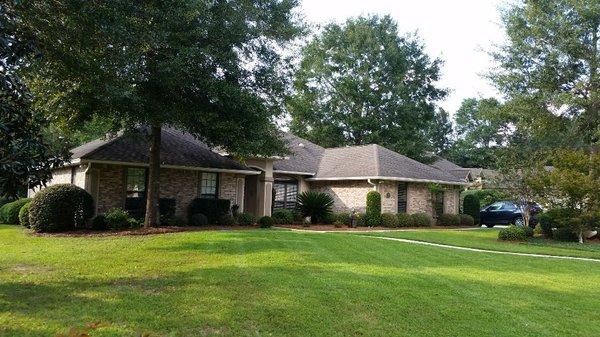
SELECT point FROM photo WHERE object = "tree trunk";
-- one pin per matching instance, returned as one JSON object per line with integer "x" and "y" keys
{"x": 152, "y": 197}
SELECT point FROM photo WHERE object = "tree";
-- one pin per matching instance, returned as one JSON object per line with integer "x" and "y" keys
{"x": 25, "y": 157}
{"x": 211, "y": 68}
{"x": 360, "y": 83}
{"x": 440, "y": 132}
{"x": 552, "y": 58}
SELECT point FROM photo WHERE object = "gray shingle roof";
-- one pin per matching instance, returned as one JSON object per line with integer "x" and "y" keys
{"x": 305, "y": 156}
{"x": 177, "y": 149}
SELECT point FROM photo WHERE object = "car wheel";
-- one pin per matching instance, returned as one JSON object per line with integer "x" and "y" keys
{"x": 518, "y": 221}
{"x": 489, "y": 226}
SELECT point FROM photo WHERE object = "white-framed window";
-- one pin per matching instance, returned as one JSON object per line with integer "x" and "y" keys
{"x": 136, "y": 182}
{"x": 209, "y": 183}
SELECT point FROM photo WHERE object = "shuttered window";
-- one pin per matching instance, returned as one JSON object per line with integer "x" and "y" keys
{"x": 439, "y": 203}
{"x": 402, "y": 197}
{"x": 285, "y": 193}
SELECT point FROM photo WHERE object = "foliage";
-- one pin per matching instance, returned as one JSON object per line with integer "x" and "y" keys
{"x": 448, "y": 220}
{"x": 471, "y": 206}
{"x": 24, "y": 215}
{"x": 421, "y": 220}
{"x": 27, "y": 159}
{"x": 389, "y": 220}
{"x": 246, "y": 219}
{"x": 343, "y": 218}
{"x": 266, "y": 222}
{"x": 166, "y": 207}
{"x": 60, "y": 207}
{"x": 405, "y": 220}
{"x": 98, "y": 223}
{"x": 338, "y": 224}
{"x": 546, "y": 223}
{"x": 466, "y": 220}
{"x": 283, "y": 216}
{"x": 373, "y": 213}
{"x": 440, "y": 132}
{"x": 361, "y": 83}
{"x": 565, "y": 234}
{"x": 198, "y": 219}
{"x": 9, "y": 213}
{"x": 316, "y": 205}
{"x": 227, "y": 220}
{"x": 117, "y": 218}
{"x": 486, "y": 197}
{"x": 512, "y": 233}
{"x": 360, "y": 219}
{"x": 213, "y": 209}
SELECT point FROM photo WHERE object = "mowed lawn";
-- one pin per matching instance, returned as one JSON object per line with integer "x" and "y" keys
{"x": 281, "y": 283}
{"x": 486, "y": 238}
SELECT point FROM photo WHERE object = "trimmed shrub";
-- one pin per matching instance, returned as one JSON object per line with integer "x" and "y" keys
{"x": 565, "y": 234}
{"x": 134, "y": 223}
{"x": 166, "y": 208}
{"x": 389, "y": 220}
{"x": 4, "y": 201}
{"x": 421, "y": 220}
{"x": 360, "y": 219}
{"x": 512, "y": 233}
{"x": 213, "y": 209}
{"x": 546, "y": 223}
{"x": 266, "y": 222}
{"x": 118, "y": 218}
{"x": 246, "y": 219}
{"x": 343, "y": 218}
{"x": 471, "y": 206}
{"x": 338, "y": 224}
{"x": 227, "y": 220}
{"x": 9, "y": 213}
{"x": 60, "y": 207}
{"x": 404, "y": 220}
{"x": 466, "y": 220}
{"x": 373, "y": 214}
{"x": 98, "y": 223}
{"x": 172, "y": 220}
{"x": 283, "y": 216}
{"x": 198, "y": 219}
{"x": 529, "y": 232}
{"x": 24, "y": 215}
{"x": 448, "y": 220}
{"x": 316, "y": 205}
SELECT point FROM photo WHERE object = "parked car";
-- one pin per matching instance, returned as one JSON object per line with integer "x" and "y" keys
{"x": 507, "y": 212}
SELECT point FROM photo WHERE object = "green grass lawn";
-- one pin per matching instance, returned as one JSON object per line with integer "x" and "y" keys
{"x": 488, "y": 239}
{"x": 281, "y": 283}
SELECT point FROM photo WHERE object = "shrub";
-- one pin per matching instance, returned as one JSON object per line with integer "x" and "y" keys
{"x": 512, "y": 233}
{"x": 24, "y": 215}
{"x": 421, "y": 220}
{"x": 227, "y": 220}
{"x": 60, "y": 208}
{"x": 316, "y": 205}
{"x": 4, "y": 201}
{"x": 448, "y": 220}
{"x": 389, "y": 220}
{"x": 266, "y": 222}
{"x": 466, "y": 220}
{"x": 546, "y": 223}
{"x": 404, "y": 220}
{"x": 373, "y": 214}
{"x": 172, "y": 220}
{"x": 98, "y": 223}
{"x": 117, "y": 218}
{"x": 529, "y": 232}
{"x": 343, "y": 218}
{"x": 134, "y": 223}
{"x": 166, "y": 208}
{"x": 213, "y": 209}
{"x": 360, "y": 219}
{"x": 136, "y": 207}
{"x": 246, "y": 219}
{"x": 471, "y": 206}
{"x": 565, "y": 234}
{"x": 338, "y": 224}
{"x": 198, "y": 219}
{"x": 283, "y": 216}
{"x": 9, "y": 213}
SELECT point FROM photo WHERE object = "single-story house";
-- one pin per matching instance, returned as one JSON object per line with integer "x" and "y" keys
{"x": 114, "y": 170}
{"x": 479, "y": 178}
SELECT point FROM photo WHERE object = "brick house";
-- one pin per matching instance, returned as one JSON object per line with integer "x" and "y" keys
{"x": 114, "y": 171}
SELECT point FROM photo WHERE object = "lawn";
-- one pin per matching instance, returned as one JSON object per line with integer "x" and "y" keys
{"x": 488, "y": 239}
{"x": 281, "y": 283}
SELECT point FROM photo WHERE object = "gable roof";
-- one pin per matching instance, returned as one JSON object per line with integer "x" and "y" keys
{"x": 177, "y": 149}
{"x": 305, "y": 157}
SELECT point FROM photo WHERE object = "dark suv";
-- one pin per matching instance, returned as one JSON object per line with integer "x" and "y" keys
{"x": 507, "y": 212}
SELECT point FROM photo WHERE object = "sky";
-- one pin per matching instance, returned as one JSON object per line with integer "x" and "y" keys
{"x": 457, "y": 31}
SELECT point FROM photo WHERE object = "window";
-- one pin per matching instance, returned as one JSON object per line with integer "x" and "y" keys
{"x": 285, "y": 193}
{"x": 136, "y": 182}
{"x": 439, "y": 203}
{"x": 495, "y": 206}
{"x": 208, "y": 185}
{"x": 402, "y": 197}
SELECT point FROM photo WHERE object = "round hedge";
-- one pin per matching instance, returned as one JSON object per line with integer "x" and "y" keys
{"x": 24, "y": 215}
{"x": 9, "y": 213}
{"x": 60, "y": 208}
{"x": 471, "y": 206}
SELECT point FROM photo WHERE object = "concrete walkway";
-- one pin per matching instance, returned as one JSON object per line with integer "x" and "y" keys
{"x": 482, "y": 250}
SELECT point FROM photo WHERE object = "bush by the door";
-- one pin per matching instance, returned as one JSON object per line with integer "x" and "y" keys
{"x": 373, "y": 213}
{"x": 60, "y": 208}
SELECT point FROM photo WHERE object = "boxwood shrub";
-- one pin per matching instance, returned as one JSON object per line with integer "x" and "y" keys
{"x": 512, "y": 233}
{"x": 60, "y": 207}
{"x": 421, "y": 220}
{"x": 9, "y": 213}
{"x": 198, "y": 219}
{"x": 246, "y": 219}
{"x": 389, "y": 220}
{"x": 213, "y": 209}
{"x": 283, "y": 216}
{"x": 471, "y": 206}
{"x": 24, "y": 215}
{"x": 373, "y": 213}
{"x": 565, "y": 234}
{"x": 466, "y": 220}
{"x": 448, "y": 220}
{"x": 404, "y": 220}
{"x": 266, "y": 222}
{"x": 343, "y": 218}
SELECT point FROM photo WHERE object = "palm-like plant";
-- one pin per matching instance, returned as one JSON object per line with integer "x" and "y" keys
{"x": 315, "y": 205}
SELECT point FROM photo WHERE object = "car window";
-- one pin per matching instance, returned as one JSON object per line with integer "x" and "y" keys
{"x": 509, "y": 206}
{"x": 495, "y": 206}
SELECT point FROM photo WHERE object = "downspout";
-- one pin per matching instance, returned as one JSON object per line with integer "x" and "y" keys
{"x": 372, "y": 184}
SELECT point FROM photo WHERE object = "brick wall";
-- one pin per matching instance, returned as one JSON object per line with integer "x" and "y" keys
{"x": 389, "y": 196}
{"x": 419, "y": 199}
{"x": 347, "y": 195}
{"x": 181, "y": 185}
{"x": 451, "y": 200}
{"x": 111, "y": 188}
{"x": 228, "y": 187}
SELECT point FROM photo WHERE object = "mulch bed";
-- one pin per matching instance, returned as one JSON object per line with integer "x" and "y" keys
{"x": 361, "y": 229}
{"x": 143, "y": 231}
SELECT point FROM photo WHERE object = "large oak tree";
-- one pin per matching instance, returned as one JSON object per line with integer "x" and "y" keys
{"x": 212, "y": 68}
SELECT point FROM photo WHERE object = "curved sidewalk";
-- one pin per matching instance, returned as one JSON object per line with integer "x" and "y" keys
{"x": 482, "y": 250}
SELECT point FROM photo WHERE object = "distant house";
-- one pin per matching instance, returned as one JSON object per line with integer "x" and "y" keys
{"x": 114, "y": 171}
{"x": 479, "y": 178}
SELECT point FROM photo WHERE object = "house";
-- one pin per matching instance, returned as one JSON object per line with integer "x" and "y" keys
{"x": 479, "y": 178}
{"x": 114, "y": 171}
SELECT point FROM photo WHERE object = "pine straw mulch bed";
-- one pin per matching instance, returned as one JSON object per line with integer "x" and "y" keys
{"x": 143, "y": 231}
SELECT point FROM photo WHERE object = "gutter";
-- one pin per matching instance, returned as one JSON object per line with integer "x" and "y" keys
{"x": 410, "y": 180}
{"x": 191, "y": 168}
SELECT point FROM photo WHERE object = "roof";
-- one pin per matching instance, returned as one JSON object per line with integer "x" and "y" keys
{"x": 177, "y": 149}
{"x": 305, "y": 156}
{"x": 376, "y": 162}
